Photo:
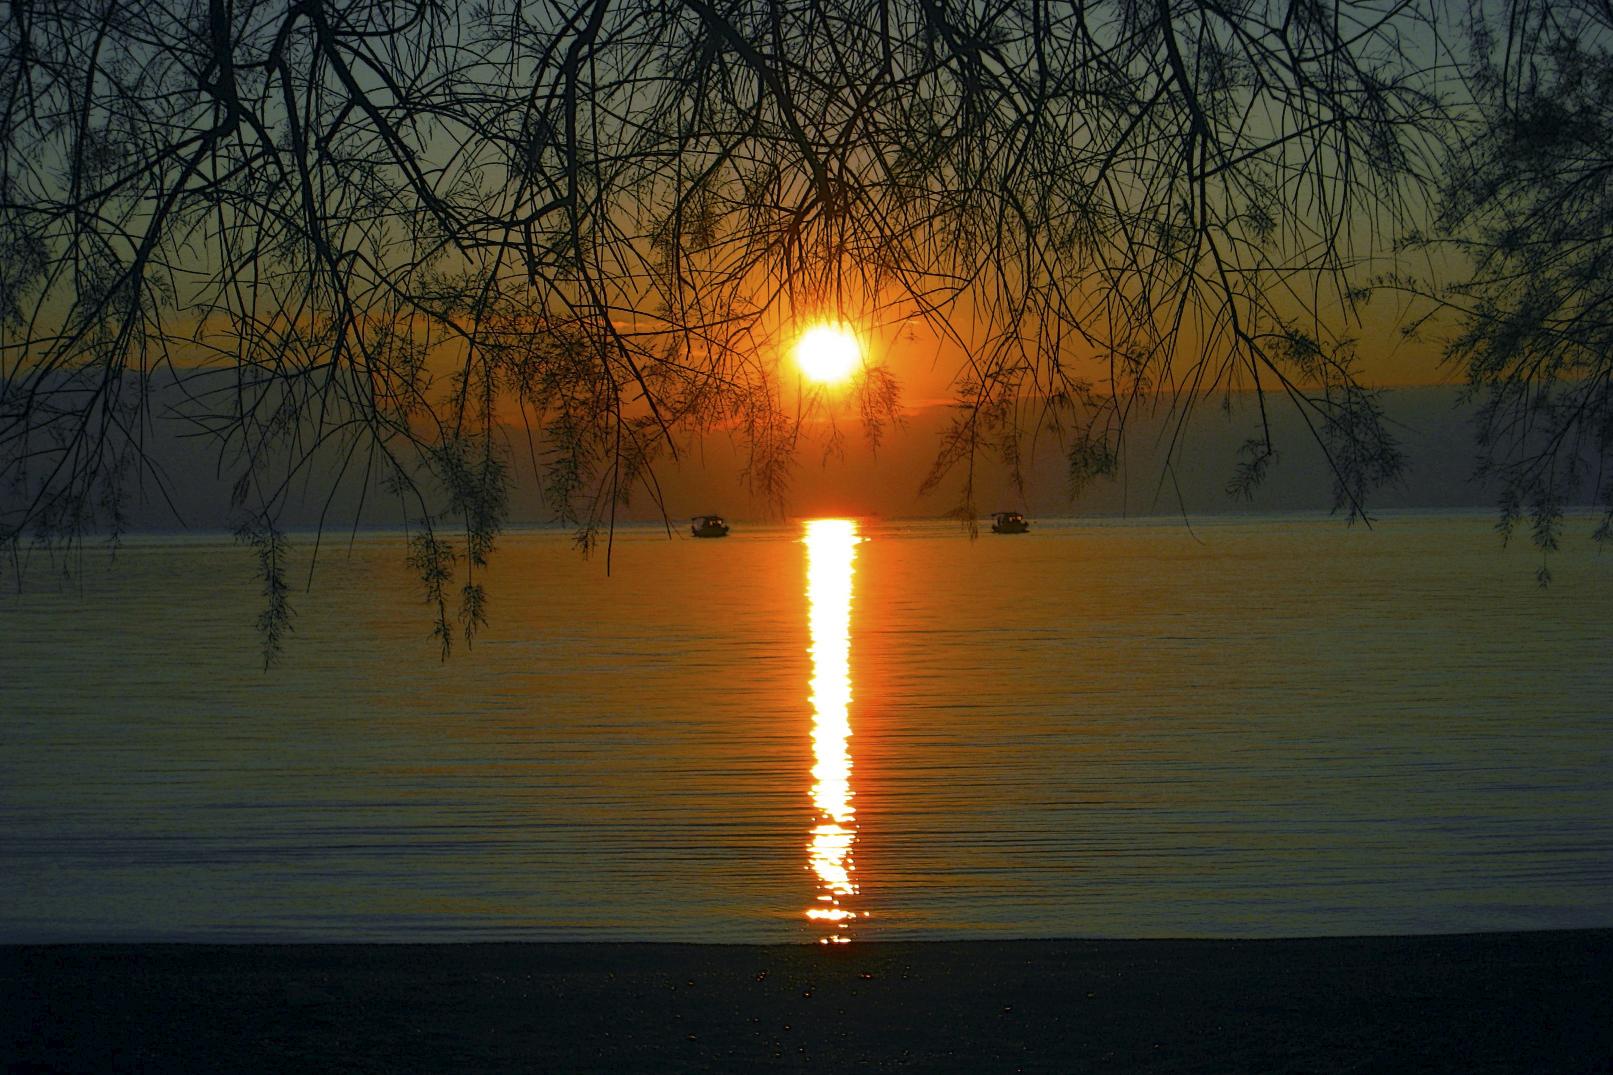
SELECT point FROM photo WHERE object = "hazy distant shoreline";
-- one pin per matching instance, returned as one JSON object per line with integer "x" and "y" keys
{"x": 334, "y": 534}
{"x": 1432, "y": 425}
{"x": 1504, "y": 1002}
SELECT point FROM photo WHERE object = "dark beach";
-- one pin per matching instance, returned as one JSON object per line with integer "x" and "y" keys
{"x": 1516, "y": 1002}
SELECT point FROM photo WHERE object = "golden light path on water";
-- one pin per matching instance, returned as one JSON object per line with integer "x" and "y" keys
{"x": 831, "y": 553}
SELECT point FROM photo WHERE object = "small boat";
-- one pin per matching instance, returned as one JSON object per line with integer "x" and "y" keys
{"x": 708, "y": 526}
{"x": 1009, "y": 522}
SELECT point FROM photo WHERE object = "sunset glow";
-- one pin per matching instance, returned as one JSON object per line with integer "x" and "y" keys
{"x": 828, "y": 353}
{"x": 831, "y": 550}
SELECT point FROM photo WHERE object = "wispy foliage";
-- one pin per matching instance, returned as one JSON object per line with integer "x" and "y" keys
{"x": 386, "y": 234}
{"x": 1530, "y": 202}
{"x": 273, "y": 549}
{"x": 433, "y": 560}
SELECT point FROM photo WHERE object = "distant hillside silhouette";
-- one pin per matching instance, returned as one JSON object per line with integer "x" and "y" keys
{"x": 1432, "y": 424}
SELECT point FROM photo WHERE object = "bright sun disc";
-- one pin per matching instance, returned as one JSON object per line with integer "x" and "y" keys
{"x": 827, "y": 353}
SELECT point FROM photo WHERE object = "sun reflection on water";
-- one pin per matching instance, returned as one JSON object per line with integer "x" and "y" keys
{"x": 831, "y": 551}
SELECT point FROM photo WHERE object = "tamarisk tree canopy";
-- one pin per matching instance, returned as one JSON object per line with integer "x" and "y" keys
{"x": 349, "y": 241}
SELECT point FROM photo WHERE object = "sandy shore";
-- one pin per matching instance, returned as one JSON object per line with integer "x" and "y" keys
{"x": 1523, "y": 1002}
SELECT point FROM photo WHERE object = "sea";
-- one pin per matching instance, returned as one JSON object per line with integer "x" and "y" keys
{"x": 817, "y": 730}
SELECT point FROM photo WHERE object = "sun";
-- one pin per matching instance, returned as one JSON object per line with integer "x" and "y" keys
{"x": 828, "y": 353}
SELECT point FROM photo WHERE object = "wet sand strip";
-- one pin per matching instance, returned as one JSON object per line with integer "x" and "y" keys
{"x": 1514, "y": 1002}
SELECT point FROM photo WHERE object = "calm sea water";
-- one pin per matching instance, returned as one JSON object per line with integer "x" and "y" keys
{"x": 1257, "y": 728}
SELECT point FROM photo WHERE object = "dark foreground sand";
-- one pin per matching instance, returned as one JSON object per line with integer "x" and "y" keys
{"x": 1529, "y": 1002}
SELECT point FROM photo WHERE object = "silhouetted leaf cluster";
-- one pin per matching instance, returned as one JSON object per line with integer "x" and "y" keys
{"x": 1530, "y": 201}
